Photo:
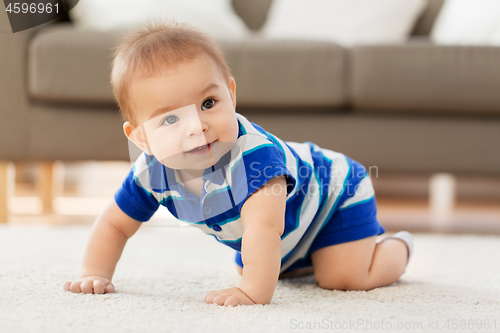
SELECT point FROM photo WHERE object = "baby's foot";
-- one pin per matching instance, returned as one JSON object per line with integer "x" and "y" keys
{"x": 90, "y": 285}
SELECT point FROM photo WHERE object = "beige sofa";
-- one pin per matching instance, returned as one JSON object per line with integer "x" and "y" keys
{"x": 411, "y": 107}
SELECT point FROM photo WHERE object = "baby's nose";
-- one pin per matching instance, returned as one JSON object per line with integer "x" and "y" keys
{"x": 194, "y": 128}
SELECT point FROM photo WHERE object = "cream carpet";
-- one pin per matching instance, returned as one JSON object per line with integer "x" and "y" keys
{"x": 165, "y": 272}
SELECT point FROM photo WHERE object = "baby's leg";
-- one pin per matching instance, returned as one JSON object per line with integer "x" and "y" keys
{"x": 360, "y": 265}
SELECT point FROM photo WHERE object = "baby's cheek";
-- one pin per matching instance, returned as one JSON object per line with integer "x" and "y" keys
{"x": 164, "y": 147}
{"x": 230, "y": 129}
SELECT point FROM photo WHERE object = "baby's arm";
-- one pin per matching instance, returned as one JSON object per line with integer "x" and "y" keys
{"x": 263, "y": 216}
{"x": 104, "y": 247}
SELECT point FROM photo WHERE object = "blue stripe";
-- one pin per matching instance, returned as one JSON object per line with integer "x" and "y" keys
{"x": 357, "y": 203}
{"x": 246, "y": 152}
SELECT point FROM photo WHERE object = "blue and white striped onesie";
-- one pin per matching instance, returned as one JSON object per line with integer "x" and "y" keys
{"x": 330, "y": 198}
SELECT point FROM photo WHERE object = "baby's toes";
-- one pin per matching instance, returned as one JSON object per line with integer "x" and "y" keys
{"x": 220, "y": 299}
{"x": 75, "y": 287}
{"x": 209, "y": 298}
{"x": 110, "y": 288}
{"x": 231, "y": 301}
{"x": 86, "y": 287}
{"x": 66, "y": 285}
{"x": 99, "y": 287}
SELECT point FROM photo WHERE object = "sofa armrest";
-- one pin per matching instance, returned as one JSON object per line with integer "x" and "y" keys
{"x": 14, "y": 104}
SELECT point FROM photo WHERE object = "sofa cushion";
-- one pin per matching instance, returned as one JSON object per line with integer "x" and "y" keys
{"x": 70, "y": 65}
{"x": 468, "y": 22}
{"x": 346, "y": 22}
{"x": 254, "y": 13}
{"x": 422, "y": 76}
{"x": 215, "y": 17}
{"x": 287, "y": 73}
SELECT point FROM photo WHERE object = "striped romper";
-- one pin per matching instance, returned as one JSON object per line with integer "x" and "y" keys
{"x": 330, "y": 198}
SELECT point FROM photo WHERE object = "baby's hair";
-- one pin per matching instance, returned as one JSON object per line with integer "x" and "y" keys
{"x": 154, "y": 49}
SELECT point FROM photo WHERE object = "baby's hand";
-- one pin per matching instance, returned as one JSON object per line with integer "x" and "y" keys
{"x": 90, "y": 285}
{"x": 232, "y": 296}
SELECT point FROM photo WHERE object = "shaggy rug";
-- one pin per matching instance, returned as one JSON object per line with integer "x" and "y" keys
{"x": 452, "y": 284}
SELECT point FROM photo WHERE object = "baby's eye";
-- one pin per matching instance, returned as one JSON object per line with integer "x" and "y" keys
{"x": 208, "y": 104}
{"x": 170, "y": 120}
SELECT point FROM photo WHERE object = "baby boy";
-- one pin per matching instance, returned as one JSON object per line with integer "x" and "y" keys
{"x": 286, "y": 208}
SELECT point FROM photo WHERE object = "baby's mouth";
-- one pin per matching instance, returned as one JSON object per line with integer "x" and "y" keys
{"x": 201, "y": 149}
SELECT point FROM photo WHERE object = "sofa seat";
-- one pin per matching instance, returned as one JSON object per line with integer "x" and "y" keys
{"x": 68, "y": 65}
{"x": 421, "y": 76}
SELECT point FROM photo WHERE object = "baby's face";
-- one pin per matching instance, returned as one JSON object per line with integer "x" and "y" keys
{"x": 186, "y": 116}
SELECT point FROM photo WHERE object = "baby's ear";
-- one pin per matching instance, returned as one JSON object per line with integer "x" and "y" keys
{"x": 232, "y": 89}
{"x": 135, "y": 134}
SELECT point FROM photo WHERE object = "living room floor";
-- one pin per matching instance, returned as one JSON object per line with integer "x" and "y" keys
{"x": 164, "y": 272}
{"x": 85, "y": 188}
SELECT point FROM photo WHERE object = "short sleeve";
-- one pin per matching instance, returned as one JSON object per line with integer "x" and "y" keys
{"x": 134, "y": 200}
{"x": 255, "y": 169}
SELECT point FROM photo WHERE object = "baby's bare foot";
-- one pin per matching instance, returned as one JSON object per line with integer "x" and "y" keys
{"x": 90, "y": 285}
